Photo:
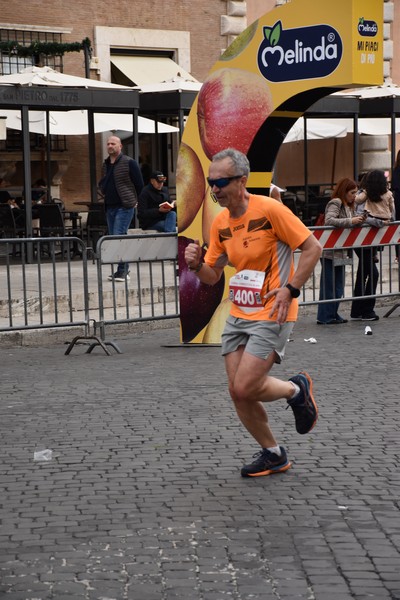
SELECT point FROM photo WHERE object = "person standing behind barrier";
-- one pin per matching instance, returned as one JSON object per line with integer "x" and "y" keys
{"x": 339, "y": 212}
{"x": 377, "y": 203}
{"x": 257, "y": 236}
{"x": 155, "y": 211}
{"x": 121, "y": 184}
{"x": 275, "y": 192}
{"x": 395, "y": 185}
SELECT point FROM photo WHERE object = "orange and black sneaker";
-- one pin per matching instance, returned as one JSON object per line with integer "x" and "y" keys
{"x": 266, "y": 463}
{"x": 303, "y": 404}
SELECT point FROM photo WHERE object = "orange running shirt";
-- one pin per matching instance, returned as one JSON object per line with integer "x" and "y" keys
{"x": 263, "y": 239}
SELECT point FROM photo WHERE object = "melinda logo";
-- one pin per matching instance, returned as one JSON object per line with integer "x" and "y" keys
{"x": 367, "y": 28}
{"x": 299, "y": 53}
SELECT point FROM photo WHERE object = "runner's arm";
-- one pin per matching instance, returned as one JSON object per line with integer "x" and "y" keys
{"x": 194, "y": 260}
{"x": 310, "y": 253}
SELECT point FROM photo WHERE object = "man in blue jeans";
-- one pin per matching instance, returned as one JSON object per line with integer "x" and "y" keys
{"x": 121, "y": 183}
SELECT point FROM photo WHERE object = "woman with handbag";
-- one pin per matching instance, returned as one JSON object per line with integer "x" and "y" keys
{"x": 376, "y": 202}
{"x": 339, "y": 212}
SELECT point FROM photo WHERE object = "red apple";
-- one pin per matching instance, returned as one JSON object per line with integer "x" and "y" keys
{"x": 190, "y": 186}
{"x": 197, "y": 300}
{"x": 232, "y": 106}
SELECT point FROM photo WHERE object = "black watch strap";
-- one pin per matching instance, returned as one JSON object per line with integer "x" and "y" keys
{"x": 294, "y": 292}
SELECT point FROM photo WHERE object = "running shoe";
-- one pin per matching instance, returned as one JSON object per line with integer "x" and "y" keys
{"x": 337, "y": 321}
{"x": 266, "y": 463}
{"x": 303, "y": 405}
{"x": 371, "y": 317}
{"x": 119, "y": 277}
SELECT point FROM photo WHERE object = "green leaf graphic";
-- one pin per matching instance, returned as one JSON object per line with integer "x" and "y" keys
{"x": 267, "y": 33}
{"x": 275, "y": 34}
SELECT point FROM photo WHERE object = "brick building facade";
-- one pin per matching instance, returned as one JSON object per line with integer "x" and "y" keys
{"x": 159, "y": 25}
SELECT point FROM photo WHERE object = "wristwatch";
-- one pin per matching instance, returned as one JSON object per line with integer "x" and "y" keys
{"x": 196, "y": 269}
{"x": 294, "y": 292}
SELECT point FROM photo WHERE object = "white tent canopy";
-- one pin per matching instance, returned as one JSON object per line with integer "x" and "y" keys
{"x": 387, "y": 90}
{"x": 319, "y": 129}
{"x": 102, "y": 94}
{"x": 33, "y": 76}
{"x": 323, "y": 128}
{"x": 72, "y": 122}
{"x": 371, "y": 125}
{"x": 175, "y": 84}
{"x": 75, "y": 122}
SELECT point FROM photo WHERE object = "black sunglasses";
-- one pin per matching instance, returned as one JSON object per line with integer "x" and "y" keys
{"x": 222, "y": 181}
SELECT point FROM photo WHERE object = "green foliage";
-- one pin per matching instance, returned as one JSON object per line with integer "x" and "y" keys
{"x": 47, "y": 48}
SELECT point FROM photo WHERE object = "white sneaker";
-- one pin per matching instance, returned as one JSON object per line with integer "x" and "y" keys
{"x": 119, "y": 277}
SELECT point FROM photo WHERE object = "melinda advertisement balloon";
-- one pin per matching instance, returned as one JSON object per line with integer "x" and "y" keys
{"x": 280, "y": 65}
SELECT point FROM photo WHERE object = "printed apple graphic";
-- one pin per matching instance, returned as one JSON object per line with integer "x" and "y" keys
{"x": 213, "y": 332}
{"x": 210, "y": 211}
{"x": 232, "y": 106}
{"x": 240, "y": 43}
{"x": 197, "y": 300}
{"x": 190, "y": 186}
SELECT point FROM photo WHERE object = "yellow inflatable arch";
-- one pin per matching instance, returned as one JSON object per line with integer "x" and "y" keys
{"x": 276, "y": 69}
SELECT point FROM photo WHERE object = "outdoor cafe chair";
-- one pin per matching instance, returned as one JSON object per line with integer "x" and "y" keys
{"x": 96, "y": 224}
{"x": 9, "y": 228}
{"x": 51, "y": 224}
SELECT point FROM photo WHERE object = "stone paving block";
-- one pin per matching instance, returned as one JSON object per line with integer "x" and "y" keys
{"x": 143, "y": 497}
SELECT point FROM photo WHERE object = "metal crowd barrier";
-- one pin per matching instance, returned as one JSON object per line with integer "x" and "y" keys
{"x": 42, "y": 285}
{"x": 60, "y": 287}
{"x": 385, "y": 243}
{"x": 151, "y": 291}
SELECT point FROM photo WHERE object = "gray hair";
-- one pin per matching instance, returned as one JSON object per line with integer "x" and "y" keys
{"x": 239, "y": 160}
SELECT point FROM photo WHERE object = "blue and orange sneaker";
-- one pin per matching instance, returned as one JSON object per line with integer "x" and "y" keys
{"x": 266, "y": 463}
{"x": 303, "y": 405}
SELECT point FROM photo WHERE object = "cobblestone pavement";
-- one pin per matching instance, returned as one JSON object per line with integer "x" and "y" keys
{"x": 142, "y": 498}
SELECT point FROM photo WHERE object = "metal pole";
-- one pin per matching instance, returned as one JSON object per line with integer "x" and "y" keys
{"x": 136, "y": 134}
{"x": 355, "y": 148}
{"x": 181, "y": 117}
{"x": 26, "y": 150}
{"x": 393, "y": 139}
{"x": 92, "y": 157}
{"x": 48, "y": 156}
{"x": 305, "y": 162}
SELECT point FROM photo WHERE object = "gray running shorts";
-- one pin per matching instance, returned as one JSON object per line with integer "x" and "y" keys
{"x": 260, "y": 338}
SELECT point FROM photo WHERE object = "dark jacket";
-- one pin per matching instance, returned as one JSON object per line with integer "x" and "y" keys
{"x": 396, "y": 190}
{"x": 149, "y": 200}
{"x": 121, "y": 182}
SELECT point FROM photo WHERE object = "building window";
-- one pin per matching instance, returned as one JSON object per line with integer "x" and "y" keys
{"x": 11, "y": 63}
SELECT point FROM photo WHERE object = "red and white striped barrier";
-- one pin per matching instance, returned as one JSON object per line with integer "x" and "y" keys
{"x": 357, "y": 236}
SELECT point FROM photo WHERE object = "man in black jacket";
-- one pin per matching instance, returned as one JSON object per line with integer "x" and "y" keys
{"x": 121, "y": 184}
{"x": 155, "y": 211}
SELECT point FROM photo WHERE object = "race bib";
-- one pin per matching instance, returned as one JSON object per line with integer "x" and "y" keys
{"x": 245, "y": 290}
